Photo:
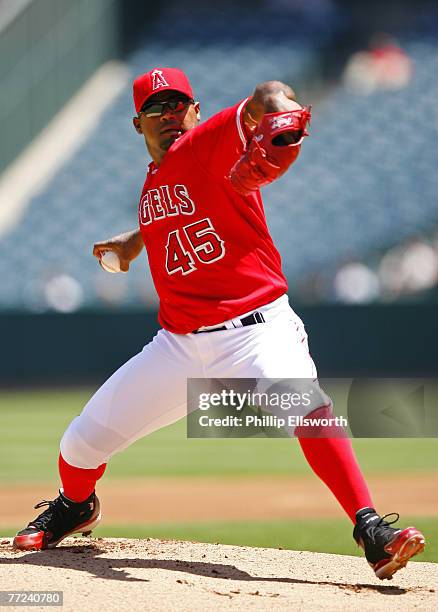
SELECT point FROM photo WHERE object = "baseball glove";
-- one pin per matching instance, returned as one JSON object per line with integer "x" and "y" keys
{"x": 270, "y": 152}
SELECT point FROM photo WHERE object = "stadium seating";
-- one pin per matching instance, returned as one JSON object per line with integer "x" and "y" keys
{"x": 366, "y": 177}
{"x": 373, "y": 159}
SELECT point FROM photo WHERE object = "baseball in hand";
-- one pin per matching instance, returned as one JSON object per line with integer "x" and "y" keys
{"x": 110, "y": 262}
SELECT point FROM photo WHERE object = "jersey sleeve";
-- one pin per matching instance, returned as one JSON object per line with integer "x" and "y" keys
{"x": 220, "y": 141}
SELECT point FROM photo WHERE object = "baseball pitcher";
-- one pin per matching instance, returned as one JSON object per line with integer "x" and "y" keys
{"x": 224, "y": 310}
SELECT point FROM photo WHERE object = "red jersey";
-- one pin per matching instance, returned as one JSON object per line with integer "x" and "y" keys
{"x": 210, "y": 252}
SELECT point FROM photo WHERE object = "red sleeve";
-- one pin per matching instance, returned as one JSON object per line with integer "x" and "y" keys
{"x": 220, "y": 141}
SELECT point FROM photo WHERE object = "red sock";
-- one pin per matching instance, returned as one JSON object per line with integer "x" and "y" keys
{"x": 334, "y": 461}
{"x": 78, "y": 483}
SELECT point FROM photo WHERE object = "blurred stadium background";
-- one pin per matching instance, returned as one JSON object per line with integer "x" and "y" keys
{"x": 356, "y": 220}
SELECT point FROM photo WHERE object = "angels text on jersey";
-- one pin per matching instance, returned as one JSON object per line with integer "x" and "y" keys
{"x": 195, "y": 243}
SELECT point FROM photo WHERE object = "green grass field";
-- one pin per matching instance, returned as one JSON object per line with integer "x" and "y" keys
{"x": 32, "y": 422}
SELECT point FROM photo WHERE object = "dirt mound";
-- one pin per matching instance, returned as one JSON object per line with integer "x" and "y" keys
{"x": 118, "y": 574}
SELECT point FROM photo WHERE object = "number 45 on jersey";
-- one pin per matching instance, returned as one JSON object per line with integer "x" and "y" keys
{"x": 197, "y": 242}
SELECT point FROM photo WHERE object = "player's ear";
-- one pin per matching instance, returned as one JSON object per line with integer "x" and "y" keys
{"x": 198, "y": 111}
{"x": 137, "y": 125}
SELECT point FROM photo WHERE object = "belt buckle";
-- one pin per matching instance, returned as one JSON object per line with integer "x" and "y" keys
{"x": 252, "y": 319}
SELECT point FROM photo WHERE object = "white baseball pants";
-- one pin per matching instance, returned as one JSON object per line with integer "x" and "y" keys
{"x": 150, "y": 390}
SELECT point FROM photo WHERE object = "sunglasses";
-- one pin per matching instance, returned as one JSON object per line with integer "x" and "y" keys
{"x": 156, "y": 109}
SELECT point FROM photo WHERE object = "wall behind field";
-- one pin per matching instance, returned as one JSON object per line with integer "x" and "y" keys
{"x": 345, "y": 341}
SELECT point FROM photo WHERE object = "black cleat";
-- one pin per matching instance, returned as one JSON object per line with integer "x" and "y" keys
{"x": 386, "y": 549}
{"x": 62, "y": 518}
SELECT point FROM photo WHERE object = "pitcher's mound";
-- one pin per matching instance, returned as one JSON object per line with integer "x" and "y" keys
{"x": 119, "y": 575}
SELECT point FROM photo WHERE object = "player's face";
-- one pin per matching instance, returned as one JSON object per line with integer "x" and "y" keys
{"x": 161, "y": 126}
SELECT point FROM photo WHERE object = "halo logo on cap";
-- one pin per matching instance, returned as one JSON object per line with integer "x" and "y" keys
{"x": 158, "y": 80}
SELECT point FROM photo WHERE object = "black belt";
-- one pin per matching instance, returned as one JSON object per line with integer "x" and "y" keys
{"x": 252, "y": 319}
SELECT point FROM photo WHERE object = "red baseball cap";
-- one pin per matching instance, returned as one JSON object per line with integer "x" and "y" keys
{"x": 160, "y": 79}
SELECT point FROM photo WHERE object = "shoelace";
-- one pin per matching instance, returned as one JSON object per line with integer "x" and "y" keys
{"x": 45, "y": 517}
{"x": 373, "y": 530}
